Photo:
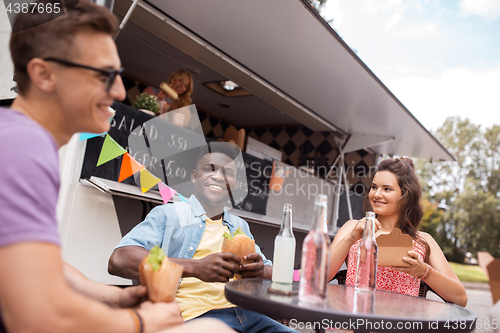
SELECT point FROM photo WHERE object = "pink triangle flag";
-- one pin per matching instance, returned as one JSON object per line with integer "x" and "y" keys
{"x": 166, "y": 192}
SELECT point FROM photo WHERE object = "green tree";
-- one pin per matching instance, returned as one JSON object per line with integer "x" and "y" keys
{"x": 483, "y": 197}
{"x": 481, "y": 232}
{"x": 492, "y": 160}
{"x": 462, "y": 139}
{"x": 467, "y": 190}
{"x": 433, "y": 217}
{"x": 319, "y": 5}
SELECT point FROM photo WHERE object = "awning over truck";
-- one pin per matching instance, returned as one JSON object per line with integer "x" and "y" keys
{"x": 297, "y": 68}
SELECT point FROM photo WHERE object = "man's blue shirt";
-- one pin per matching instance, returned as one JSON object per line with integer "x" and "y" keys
{"x": 178, "y": 228}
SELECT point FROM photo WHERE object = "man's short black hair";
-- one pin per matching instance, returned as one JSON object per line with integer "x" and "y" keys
{"x": 229, "y": 149}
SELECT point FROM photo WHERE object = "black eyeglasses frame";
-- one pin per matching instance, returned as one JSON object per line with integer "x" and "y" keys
{"x": 111, "y": 74}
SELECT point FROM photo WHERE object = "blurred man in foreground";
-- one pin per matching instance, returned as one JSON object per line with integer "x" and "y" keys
{"x": 67, "y": 69}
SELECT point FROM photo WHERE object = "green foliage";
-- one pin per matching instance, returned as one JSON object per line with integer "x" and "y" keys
{"x": 147, "y": 102}
{"x": 468, "y": 190}
{"x": 433, "y": 217}
{"x": 492, "y": 170}
{"x": 318, "y": 5}
{"x": 481, "y": 232}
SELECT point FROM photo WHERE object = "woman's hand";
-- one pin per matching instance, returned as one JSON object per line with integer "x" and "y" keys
{"x": 417, "y": 267}
{"x": 359, "y": 228}
{"x": 357, "y": 231}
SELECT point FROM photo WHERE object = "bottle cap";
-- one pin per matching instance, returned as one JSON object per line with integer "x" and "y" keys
{"x": 321, "y": 199}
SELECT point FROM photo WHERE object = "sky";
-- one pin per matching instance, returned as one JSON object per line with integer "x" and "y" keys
{"x": 440, "y": 58}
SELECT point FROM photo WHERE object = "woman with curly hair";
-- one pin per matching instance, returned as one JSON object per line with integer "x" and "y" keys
{"x": 395, "y": 196}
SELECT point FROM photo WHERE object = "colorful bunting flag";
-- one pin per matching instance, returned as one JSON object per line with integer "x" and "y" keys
{"x": 148, "y": 180}
{"x": 183, "y": 198}
{"x": 110, "y": 150}
{"x": 296, "y": 275}
{"x": 86, "y": 136}
{"x": 129, "y": 167}
{"x": 166, "y": 192}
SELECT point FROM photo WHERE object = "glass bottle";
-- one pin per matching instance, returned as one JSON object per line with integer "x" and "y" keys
{"x": 284, "y": 249}
{"x": 315, "y": 257}
{"x": 366, "y": 263}
{"x": 363, "y": 302}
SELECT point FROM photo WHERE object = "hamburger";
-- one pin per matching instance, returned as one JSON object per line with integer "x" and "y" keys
{"x": 239, "y": 244}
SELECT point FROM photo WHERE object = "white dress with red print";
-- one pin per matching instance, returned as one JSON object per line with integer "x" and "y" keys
{"x": 387, "y": 278}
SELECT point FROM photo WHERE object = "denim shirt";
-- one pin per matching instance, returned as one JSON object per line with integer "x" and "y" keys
{"x": 178, "y": 228}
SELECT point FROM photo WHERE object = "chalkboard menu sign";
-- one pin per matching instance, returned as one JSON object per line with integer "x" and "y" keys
{"x": 170, "y": 153}
{"x": 173, "y": 151}
{"x": 258, "y": 173}
{"x": 124, "y": 122}
{"x": 356, "y": 206}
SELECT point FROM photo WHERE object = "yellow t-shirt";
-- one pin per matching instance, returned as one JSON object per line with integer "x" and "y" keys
{"x": 195, "y": 297}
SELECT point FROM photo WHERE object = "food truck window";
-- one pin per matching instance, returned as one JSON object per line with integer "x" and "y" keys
{"x": 169, "y": 152}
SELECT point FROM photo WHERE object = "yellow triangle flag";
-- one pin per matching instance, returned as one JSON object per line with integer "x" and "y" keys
{"x": 110, "y": 150}
{"x": 148, "y": 180}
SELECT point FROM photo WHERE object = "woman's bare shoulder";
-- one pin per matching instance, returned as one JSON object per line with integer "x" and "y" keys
{"x": 428, "y": 238}
{"x": 349, "y": 225}
{"x": 425, "y": 235}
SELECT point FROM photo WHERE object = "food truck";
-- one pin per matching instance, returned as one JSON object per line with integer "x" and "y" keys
{"x": 274, "y": 72}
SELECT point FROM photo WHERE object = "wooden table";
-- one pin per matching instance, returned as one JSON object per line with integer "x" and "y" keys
{"x": 347, "y": 309}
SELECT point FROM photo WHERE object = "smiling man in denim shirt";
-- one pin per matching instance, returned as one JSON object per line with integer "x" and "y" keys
{"x": 191, "y": 235}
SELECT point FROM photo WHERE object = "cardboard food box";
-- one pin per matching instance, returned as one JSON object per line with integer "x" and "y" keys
{"x": 491, "y": 268}
{"x": 392, "y": 247}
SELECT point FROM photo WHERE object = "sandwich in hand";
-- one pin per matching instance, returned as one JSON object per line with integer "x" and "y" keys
{"x": 238, "y": 244}
{"x": 160, "y": 275}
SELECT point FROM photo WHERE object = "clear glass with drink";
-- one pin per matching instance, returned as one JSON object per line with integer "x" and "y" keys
{"x": 366, "y": 263}
{"x": 315, "y": 256}
{"x": 284, "y": 249}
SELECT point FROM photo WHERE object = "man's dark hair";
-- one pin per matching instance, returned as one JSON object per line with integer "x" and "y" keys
{"x": 229, "y": 149}
{"x": 44, "y": 35}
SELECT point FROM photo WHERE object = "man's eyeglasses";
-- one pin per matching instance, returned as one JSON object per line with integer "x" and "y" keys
{"x": 110, "y": 74}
